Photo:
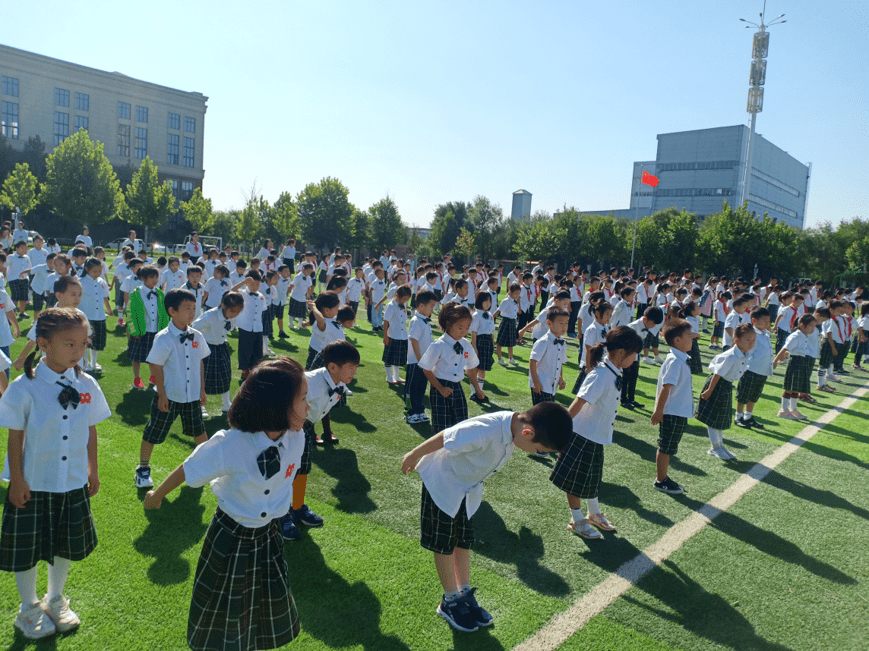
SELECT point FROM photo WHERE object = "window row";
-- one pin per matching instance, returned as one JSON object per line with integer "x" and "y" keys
{"x": 9, "y": 122}
{"x": 698, "y": 165}
{"x": 10, "y": 86}
{"x": 782, "y": 186}
{"x": 694, "y": 192}
{"x": 61, "y": 127}
{"x": 773, "y": 206}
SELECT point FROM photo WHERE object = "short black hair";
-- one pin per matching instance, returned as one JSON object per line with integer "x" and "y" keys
{"x": 341, "y": 352}
{"x": 194, "y": 268}
{"x": 232, "y": 299}
{"x": 253, "y": 274}
{"x": 554, "y": 312}
{"x": 265, "y": 399}
{"x": 654, "y": 314}
{"x": 76, "y": 252}
{"x": 175, "y": 297}
{"x": 759, "y": 313}
{"x": 675, "y": 328}
{"x": 147, "y": 271}
{"x": 482, "y": 297}
{"x": 327, "y": 300}
{"x": 551, "y": 423}
{"x": 345, "y": 314}
{"x": 425, "y": 297}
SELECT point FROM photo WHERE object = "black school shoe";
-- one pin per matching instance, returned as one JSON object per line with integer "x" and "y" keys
{"x": 636, "y": 405}
{"x": 669, "y": 486}
{"x": 458, "y": 613}
{"x": 753, "y": 423}
{"x": 742, "y": 422}
{"x": 627, "y": 405}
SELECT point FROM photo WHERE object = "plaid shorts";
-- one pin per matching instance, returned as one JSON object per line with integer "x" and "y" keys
{"x": 98, "y": 339}
{"x": 580, "y": 378}
{"x": 241, "y": 592}
{"x": 298, "y": 309}
{"x": 267, "y": 321}
{"x": 160, "y": 422}
{"x": 305, "y": 463}
{"x": 537, "y": 398}
{"x": 138, "y": 348}
{"x": 798, "y": 377}
{"x": 278, "y": 310}
{"x": 750, "y": 387}
{"x": 826, "y": 356}
{"x": 439, "y": 532}
{"x": 641, "y": 309}
{"x": 50, "y": 300}
{"x": 694, "y": 359}
{"x": 780, "y": 338}
{"x": 218, "y": 370}
{"x": 579, "y": 469}
{"x": 670, "y": 433}
{"x": 395, "y": 352}
{"x": 446, "y": 412}
{"x": 485, "y": 351}
{"x": 38, "y": 302}
{"x": 314, "y": 361}
{"x": 718, "y": 330}
{"x": 507, "y": 332}
{"x": 651, "y": 341}
{"x": 250, "y": 349}
{"x": 49, "y": 525}
{"x": 717, "y": 412}
{"x": 18, "y": 289}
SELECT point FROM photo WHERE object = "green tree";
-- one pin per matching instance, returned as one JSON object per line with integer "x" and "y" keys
{"x": 80, "y": 184}
{"x": 34, "y": 155}
{"x": 465, "y": 244}
{"x": 250, "y": 225}
{"x": 19, "y": 190}
{"x": 385, "y": 223}
{"x": 285, "y": 216}
{"x": 198, "y": 212}
{"x": 485, "y": 219}
{"x": 148, "y": 202}
{"x": 325, "y": 213}
{"x": 449, "y": 219}
{"x": 225, "y": 225}
{"x": 361, "y": 238}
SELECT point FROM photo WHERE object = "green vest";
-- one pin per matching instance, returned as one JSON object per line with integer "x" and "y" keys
{"x": 134, "y": 313}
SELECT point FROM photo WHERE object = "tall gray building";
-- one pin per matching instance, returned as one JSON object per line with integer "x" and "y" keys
{"x": 521, "y": 204}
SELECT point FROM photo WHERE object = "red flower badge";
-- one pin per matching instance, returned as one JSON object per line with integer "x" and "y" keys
{"x": 290, "y": 470}
{"x": 85, "y": 398}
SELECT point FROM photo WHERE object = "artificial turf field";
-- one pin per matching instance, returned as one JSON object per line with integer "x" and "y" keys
{"x": 781, "y": 569}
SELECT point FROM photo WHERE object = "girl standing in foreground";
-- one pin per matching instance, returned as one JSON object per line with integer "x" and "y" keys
{"x": 579, "y": 469}
{"x": 241, "y": 593}
{"x": 51, "y": 412}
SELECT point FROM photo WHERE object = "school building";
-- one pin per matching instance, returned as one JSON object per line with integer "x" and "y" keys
{"x": 53, "y": 99}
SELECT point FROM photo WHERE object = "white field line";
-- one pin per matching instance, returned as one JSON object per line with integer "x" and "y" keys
{"x": 564, "y": 625}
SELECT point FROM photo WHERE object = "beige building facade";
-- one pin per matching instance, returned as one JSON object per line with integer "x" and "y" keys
{"x": 53, "y": 99}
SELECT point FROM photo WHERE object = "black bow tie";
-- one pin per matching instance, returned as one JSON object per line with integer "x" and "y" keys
{"x": 253, "y": 293}
{"x": 337, "y": 324}
{"x": 223, "y": 283}
{"x": 269, "y": 462}
{"x": 603, "y": 332}
{"x": 618, "y": 377}
{"x": 427, "y": 319}
{"x": 151, "y": 295}
{"x": 559, "y": 341}
{"x": 486, "y": 316}
{"x": 515, "y": 302}
{"x": 458, "y": 348}
{"x": 227, "y": 326}
{"x": 20, "y": 257}
{"x": 191, "y": 287}
{"x": 68, "y": 396}
{"x": 338, "y": 390}
{"x": 185, "y": 336}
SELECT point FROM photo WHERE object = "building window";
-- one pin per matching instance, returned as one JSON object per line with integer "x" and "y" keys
{"x": 174, "y": 121}
{"x": 82, "y": 102}
{"x": 693, "y": 192}
{"x": 123, "y": 110}
{"x": 10, "y": 86}
{"x": 186, "y": 190}
{"x": 124, "y": 140}
{"x": 173, "y": 148}
{"x": 141, "y": 114}
{"x": 61, "y": 127}
{"x": 9, "y": 125}
{"x": 141, "y": 143}
{"x": 190, "y": 125}
{"x": 174, "y": 183}
{"x": 781, "y": 186}
{"x": 697, "y": 165}
{"x": 189, "y": 152}
{"x": 61, "y": 97}
{"x": 772, "y": 206}
{"x": 81, "y": 122}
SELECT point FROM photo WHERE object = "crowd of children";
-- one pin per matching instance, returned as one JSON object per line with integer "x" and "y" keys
{"x": 178, "y": 313}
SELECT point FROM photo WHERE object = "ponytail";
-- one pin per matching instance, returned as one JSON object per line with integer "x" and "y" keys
{"x": 619, "y": 338}
{"x": 28, "y": 363}
{"x": 596, "y": 353}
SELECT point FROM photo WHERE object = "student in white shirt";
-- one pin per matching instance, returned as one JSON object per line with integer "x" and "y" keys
{"x": 18, "y": 273}
{"x": 622, "y": 310}
{"x": 453, "y": 465}
{"x": 173, "y": 277}
{"x": 377, "y": 291}
{"x": 122, "y": 270}
{"x": 145, "y": 316}
{"x": 281, "y": 298}
{"x": 548, "y": 357}
{"x": 674, "y": 402}
{"x": 193, "y": 248}
{"x": 215, "y": 325}
{"x": 355, "y": 288}
{"x": 194, "y": 286}
{"x": 95, "y": 304}
{"x": 38, "y": 253}
{"x": 288, "y": 255}
{"x": 715, "y": 407}
{"x": 419, "y": 339}
{"x": 265, "y": 251}
{"x": 300, "y": 294}
{"x": 52, "y": 413}
{"x": 134, "y": 244}
{"x": 251, "y": 469}
{"x": 594, "y": 334}
{"x": 20, "y": 234}
{"x": 217, "y": 286}
{"x": 482, "y": 329}
{"x": 579, "y": 469}
{"x": 250, "y": 323}
{"x": 395, "y": 334}
{"x": 760, "y": 367}
{"x": 797, "y": 377}
{"x": 84, "y": 238}
{"x": 508, "y": 331}
{"x": 38, "y": 281}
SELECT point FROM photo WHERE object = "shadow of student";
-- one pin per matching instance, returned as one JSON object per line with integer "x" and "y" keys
{"x": 524, "y": 549}
{"x": 331, "y": 610}
{"x": 345, "y": 415}
{"x": 352, "y": 487}
{"x": 135, "y": 407}
{"x": 702, "y": 613}
{"x": 173, "y": 529}
{"x": 814, "y": 495}
{"x": 122, "y": 359}
{"x": 647, "y": 450}
{"x": 20, "y": 643}
{"x": 622, "y": 497}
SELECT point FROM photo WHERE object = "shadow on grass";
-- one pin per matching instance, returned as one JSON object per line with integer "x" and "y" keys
{"x": 702, "y": 613}
{"x": 172, "y": 530}
{"x": 352, "y": 487}
{"x": 135, "y": 407}
{"x": 814, "y": 495}
{"x": 347, "y": 416}
{"x": 21, "y": 643}
{"x": 122, "y": 359}
{"x": 337, "y": 613}
{"x": 622, "y": 497}
{"x": 647, "y": 451}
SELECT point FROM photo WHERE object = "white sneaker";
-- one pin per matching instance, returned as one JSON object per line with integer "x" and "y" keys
{"x": 423, "y": 418}
{"x": 786, "y": 414}
{"x": 659, "y": 359}
{"x": 411, "y": 419}
{"x": 143, "y": 478}
{"x": 501, "y": 361}
{"x": 87, "y": 368}
{"x": 35, "y": 623}
{"x": 728, "y": 453}
{"x": 61, "y": 614}
{"x": 721, "y": 453}
{"x": 204, "y": 412}
{"x": 98, "y": 368}
{"x": 647, "y": 360}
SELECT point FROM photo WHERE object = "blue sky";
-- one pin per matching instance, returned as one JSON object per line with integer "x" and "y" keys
{"x": 432, "y": 102}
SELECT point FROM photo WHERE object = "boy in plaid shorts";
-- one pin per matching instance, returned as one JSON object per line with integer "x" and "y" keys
{"x": 674, "y": 404}
{"x": 453, "y": 465}
{"x": 176, "y": 364}
{"x": 759, "y": 369}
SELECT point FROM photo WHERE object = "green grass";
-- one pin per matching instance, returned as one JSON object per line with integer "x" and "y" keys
{"x": 363, "y": 581}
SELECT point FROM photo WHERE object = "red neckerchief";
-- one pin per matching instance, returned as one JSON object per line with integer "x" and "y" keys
{"x": 794, "y": 319}
{"x": 723, "y": 305}
{"x": 849, "y": 322}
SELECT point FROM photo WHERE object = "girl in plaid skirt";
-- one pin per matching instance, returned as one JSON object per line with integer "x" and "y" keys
{"x": 395, "y": 334}
{"x": 215, "y": 325}
{"x": 241, "y": 594}
{"x": 51, "y": 413}
{"x": 579, "y": 468}
{"x": 799, "y": 373}
{"x": 482, "y": 327}
{"x": 690, "y": 314}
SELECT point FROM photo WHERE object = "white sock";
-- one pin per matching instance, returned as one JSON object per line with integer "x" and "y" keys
{"x": 96, "y": 354}
{"x": 785, "y": 403}
{"x": 822, "y": 379}
{"x": 794, "y": 404}
{"x": 830, "y": 371}
{"x": 57, "y": 574}
{"x": 26, "y": 582}
{"x": 576, "y": 513}
{"x": 227, "y": 403}
{"x": 748, "y": 415}
{"x": 716, "y": 437}
{"x": 465, "y": 588}
{"x": 450, "y": 595}
{"x": 593, "y": 506}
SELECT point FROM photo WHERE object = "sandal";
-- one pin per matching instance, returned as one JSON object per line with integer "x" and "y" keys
{"x": 599, "y": 520}
{"x": 583, "y": 528}
{"x": 809, "y": 399}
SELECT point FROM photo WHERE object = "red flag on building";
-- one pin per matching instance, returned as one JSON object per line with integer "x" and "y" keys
{"x": 648, "y": 179}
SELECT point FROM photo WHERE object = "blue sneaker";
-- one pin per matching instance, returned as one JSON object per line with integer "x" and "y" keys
{"x": 458, "y": 613}
{"x": 481, "y": 615}
{"x": 306, "y": 517}
{"x": 143, "y": 478}
{"x": 289, "y": 530}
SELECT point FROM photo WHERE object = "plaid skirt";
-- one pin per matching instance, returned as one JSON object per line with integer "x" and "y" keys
{"x": 799, "y": 374}
{"x": 395, "y": 352}
{"x": 305, "y": 463}
{"x": 298, "y": 309}
{"x": 49, "y": 525}
{"x": 241, "y": 593}
{"x": 826, "y": 356}
{"x": 750, "y": 387}
{"x": 579, "y": 469}
{"x": 446, "y": 412}
{"x": 439, "y": 532}
{"x": 651, "y": 341}
{"x": 98, "y": 336}
{"x": 50, "y": 300}
{"x": 267, "y": 318}
{"x": 507, "y": 332}
{"x": 314, "y": 361}
{"x": 537, "y": 398}
{"x": 670, "y": 432}
{"x": 717, "y": 412}
{"x": 485, "y": 351}
{"x": 718, "y": 330}
{"x": 580, "y": 378}
{"x": 862, "y": 346}
{"x": 218, "y": 370}
{"x": 694, "y": 359}
{"x": 138, "y": 348}
{"x": 18, "y": 289}
{"x": 38, "y": 302}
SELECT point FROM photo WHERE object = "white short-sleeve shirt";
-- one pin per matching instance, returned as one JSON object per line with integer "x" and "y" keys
{"x": 596, "y": 419}
{"x": 730, "y": 365}
{"x": 762, "y": 354}
{"x": 509, "y": 308}
{"x": 676, "y": 371}
{"x": 251, "y": 317}
{"x": 396, "y": 316}
{"x": 797, "y": 344}
{"x": 482, "y": 323}
{"x": 323, "y": 393}
{"x": 93, "y": 295}
{"x": 213, "y": 326}
{"x": 445, "y": 362}
{"x": 181, "y": 362}
{"x": 550, "y": 353}
{"x": 420, "y": 330}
